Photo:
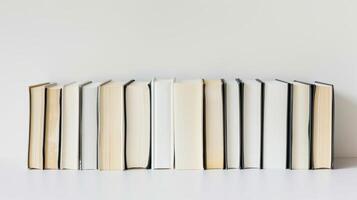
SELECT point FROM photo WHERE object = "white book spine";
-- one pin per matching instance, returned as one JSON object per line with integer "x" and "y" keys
{"x": 233, "y": 124}
{"x": 70, "y": 128}
{"x": 252, "y": 124}
{"x": 162, "y": 124}
{"x": 275, "y": 125}
{"x": 89, "y": 128}
{"x": 300, "y": 131}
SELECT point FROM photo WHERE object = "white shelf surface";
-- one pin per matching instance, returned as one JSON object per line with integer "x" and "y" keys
{"x": 16, "y": 182}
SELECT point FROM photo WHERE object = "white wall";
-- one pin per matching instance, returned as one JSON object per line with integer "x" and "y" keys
{"x": 46, "y": 40}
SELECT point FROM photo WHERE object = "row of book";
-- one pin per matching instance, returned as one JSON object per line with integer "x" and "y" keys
{"x": 186, "y": 124}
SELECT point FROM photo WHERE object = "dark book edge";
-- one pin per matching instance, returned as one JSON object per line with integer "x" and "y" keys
{"x": 289, "y": 127}
{"x": 60, "y": 129}
{"x": 224, "y": 118}
{"x": 241, "y": 94}
{"x": 262, "y": 99}
{"x": 311, "y": 122}
{"x": 149, "y": 162}
{"x": 44, "y": 128}
{"x": 204, "y": 124}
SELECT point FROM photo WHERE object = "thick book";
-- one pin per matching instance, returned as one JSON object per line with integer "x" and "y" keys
{"x": 138, "y": 125}
{"x": 301, "y": 125}
{"x": 253, "y": 99}
{"x": 277, "y": 110}
{"x": 188, "y": 124}
{"x": 111, "y": 135}
{"x": 53, "y": 126}
{"x": 70, "y": 139}
{"x": 37, "y": 95}
{"x": 323, "y": 126}
{"x": 214, "y": 135}
{"x": 89, "y": 126}
{"x": 234, "y": 120}
{"x": 162, "y": 124}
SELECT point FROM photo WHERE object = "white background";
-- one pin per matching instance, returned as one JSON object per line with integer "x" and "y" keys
{"x": 46, "y": 40}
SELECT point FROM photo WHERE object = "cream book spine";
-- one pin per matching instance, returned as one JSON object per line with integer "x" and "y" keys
{"x": 52, "y": 127}
{"x": 36, "y": 126}
{"x": 138, "y": 130}
{"x": 214, "y": 124}
{"x": 111, "y": 139}
{"x": 188, "y": 123}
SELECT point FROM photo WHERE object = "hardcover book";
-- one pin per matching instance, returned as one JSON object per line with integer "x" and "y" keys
{"x": 53, "y": 126}
{"x": 71, "y": 117}
{"x": 188, "y": 123}
{"x": 234, "y": 122}
{"x": 138, "y": 130}
{"x": 277, "y": 111}
{"x": 36, "y": 125}
{"x": 89, "y": 126}
{"x": 111, "y": 138}
{"x": 301, "y": 125}
{"x": 323, "y": 128}
{"x": 214, "y": 124}
{"x": 253, "y": 99}
{"x": 162, "y": 124}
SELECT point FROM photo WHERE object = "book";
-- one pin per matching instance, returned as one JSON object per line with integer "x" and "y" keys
{"x": 52, "y": 126}
{"x": 301, "y": 125}
{"x": 111, "y": 135}
{"x": 277, "y": 111}
{"x": 162, "y": 124}
{"x": 89, "y": 126}
{"x": 71, "y": 125}
{"x": 188, "y": 124}
{"x": 214, "y": 124}
{"x": 234, "y": 120}
{"x": 138, "y": 128}
{"x": 37, "y": 95}
{"x": 323, "y": 126}
{"x": 252, "y": 123}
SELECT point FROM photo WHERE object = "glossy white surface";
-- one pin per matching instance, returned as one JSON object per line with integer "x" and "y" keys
{"x": 16, "y": 182}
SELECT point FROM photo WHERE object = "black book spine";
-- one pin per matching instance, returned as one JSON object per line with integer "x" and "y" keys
{"x": 289, "y": 127}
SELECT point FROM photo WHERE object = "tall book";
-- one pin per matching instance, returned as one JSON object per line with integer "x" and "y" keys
{"x": 138, "y": 125}
{"x": 234, "y": 121}
{"x": 71, "y": 125}
{"x": 323, "y": 126}
{"x": 53, "y": 127}
{"x": 214, "y": 124}
{"x": 188, "y": 124}
{"x": 162, "y": 124}
{"x": 37, "y": 95}
{"x": 111, "y": 139}
{"x": 253, "y": 99}
{"x": 89, "y": 126}
{"x": 277, "y": 111}
{"x": 301, "y": 125}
